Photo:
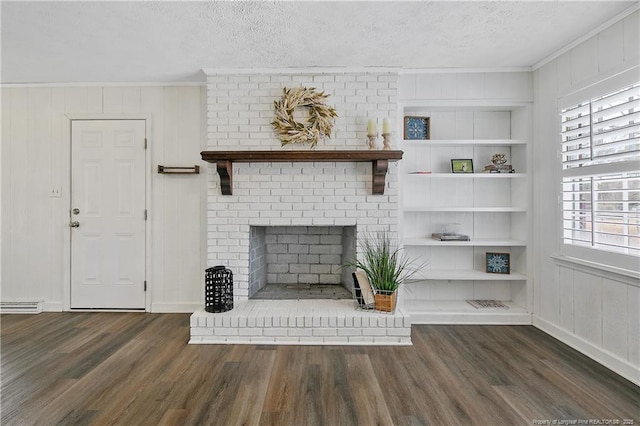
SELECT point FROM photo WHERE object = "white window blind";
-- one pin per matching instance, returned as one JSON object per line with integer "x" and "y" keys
{"x": 600, "y": 149}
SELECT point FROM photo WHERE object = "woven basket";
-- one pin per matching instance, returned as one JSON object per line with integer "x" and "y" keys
{"x": 385, "y": 300}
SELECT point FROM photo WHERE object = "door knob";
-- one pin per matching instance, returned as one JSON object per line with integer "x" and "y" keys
{"x": 75, "y": 224}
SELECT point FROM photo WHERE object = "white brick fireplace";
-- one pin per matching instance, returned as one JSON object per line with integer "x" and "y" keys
{"x": 293, "y": 194}
{"x": 239, "y": 112}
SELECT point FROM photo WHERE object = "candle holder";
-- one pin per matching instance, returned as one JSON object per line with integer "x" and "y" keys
{"x": 372, "y": 140}
{"x": 386, "y": 141}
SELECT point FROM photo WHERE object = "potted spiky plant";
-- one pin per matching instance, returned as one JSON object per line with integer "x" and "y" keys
{"x": 385, "y": 266}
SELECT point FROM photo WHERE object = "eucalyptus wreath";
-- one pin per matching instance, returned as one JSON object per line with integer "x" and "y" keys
{"x": 320, "y": 119}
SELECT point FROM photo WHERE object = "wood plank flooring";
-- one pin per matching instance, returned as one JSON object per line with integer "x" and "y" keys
{"x": 137, "y": 369}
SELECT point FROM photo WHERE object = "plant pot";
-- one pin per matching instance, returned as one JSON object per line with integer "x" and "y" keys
{"x": 385, "y": 300}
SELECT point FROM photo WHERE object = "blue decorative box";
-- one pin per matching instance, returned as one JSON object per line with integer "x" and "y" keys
{"x": 416, "y": 128}
{"x": 498, "y": 263}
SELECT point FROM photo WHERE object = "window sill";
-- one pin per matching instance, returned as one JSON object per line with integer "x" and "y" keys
{"x": 627, "y": 276}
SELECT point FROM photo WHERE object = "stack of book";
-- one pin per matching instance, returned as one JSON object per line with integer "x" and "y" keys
{"x": 504, "y": 168}
{"x": 444, "y": 236}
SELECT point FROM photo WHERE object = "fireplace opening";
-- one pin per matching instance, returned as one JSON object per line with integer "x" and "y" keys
{"x": 300, "y": 262}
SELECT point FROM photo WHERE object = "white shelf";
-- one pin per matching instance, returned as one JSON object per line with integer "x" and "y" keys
{"x": 467, "y": 175}
{"x": 472, "y": 243}
{"x": 461, "y": 312}
{"x": 464, "y": 275}
{"x": 428, "y": 209}
{"x": 461, "y": 142}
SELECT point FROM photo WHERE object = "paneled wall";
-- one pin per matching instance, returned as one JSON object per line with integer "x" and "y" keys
{"x": 35, "y": 162}
{"x": 596, "y": 312}
{"x": 513, "y": 86}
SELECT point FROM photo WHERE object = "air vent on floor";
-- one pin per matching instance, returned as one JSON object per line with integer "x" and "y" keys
{"x": 20, "y": 307}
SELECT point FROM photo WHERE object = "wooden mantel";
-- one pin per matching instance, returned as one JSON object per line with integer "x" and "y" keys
{"x": 379, "y": 162}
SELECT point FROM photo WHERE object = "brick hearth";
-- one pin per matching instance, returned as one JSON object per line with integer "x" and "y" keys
{"x": 301, "y": 322}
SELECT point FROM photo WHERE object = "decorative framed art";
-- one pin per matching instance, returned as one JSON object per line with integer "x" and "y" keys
{"x": 498, "y": 263}
{"x": 461, "y": 165}
{"x": 416, "y": 128}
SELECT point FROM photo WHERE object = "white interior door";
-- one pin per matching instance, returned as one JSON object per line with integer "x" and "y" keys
{"x": 107, "y": 216}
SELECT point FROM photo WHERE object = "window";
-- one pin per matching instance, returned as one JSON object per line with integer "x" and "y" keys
{"x": 601, "y": 172}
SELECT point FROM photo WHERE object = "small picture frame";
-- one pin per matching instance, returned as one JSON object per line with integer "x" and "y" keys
{"x": 461, "y": 165}
{"x": 416, "y": 128}
{"x": 498, "y": 263}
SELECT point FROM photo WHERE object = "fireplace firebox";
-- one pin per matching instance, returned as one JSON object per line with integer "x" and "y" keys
{"x": 292, "y": 262}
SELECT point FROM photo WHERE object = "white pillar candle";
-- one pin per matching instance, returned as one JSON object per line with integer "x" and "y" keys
{"x": 371, "y": 127}
{"x": 386, "y": 128}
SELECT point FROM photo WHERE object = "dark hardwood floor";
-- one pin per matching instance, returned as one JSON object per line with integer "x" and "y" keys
{"x": 136, "y": 368}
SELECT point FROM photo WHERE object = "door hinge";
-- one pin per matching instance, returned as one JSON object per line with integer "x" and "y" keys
{"x": 146, "y": 214}
{"x": 145, "y": 143}
{"x": 145, "y": 285}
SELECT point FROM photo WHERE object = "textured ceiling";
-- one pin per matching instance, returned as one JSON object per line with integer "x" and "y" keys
{"x": 173, "y": 41}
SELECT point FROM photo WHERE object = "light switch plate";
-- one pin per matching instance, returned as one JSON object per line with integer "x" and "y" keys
{"x": 55, "y": 192}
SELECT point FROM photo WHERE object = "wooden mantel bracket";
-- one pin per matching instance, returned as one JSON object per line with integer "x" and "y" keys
{"x": 225, "y": 170}
{"x": 379, "y": 175}
{"x": 379, "y": 162}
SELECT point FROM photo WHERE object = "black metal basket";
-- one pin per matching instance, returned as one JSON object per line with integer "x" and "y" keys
{"x": 218, "y": 289}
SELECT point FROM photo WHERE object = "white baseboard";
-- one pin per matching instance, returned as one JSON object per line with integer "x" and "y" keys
{"x": 176, "y": 308}
{"x": 612, "y": 362}
{"x": 52, "y": 307}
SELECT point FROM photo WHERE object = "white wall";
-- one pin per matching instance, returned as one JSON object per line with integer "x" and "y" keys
{"x": 597, "y": 313}
{"x": 35, "y": 159}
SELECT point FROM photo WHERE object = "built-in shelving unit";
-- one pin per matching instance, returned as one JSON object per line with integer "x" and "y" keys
{"x": 491, "y": 208}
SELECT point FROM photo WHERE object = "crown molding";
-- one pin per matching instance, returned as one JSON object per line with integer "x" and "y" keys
{"x": 298, "y": 70}
{"x": 462, "y": 70}
{"x": 104, "y": 84}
